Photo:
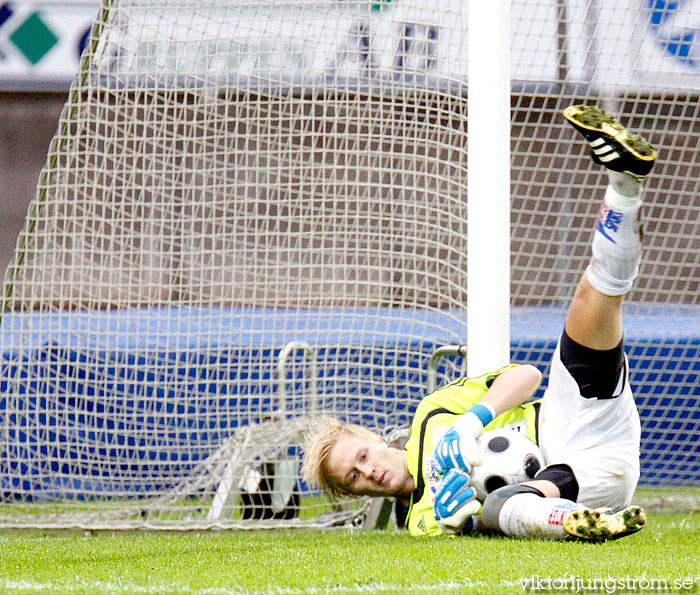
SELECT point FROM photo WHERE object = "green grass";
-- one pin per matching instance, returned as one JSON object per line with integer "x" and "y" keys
{"x": 312, "y": 562}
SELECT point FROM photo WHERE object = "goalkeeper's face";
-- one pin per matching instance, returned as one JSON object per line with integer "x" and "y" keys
{"x": 362, "y": 466}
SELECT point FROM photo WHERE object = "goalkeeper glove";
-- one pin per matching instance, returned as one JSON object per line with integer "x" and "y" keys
{"x": 457, "y": 448}
{"x": 455, "y": 502}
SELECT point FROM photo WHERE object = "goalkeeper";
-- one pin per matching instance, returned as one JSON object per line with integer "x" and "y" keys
{"x": 587, "y": 425}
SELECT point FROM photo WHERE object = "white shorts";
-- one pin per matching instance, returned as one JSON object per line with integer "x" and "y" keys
{"x": 598, "y": 438}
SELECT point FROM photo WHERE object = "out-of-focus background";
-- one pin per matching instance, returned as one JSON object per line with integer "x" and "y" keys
{"x": 40, "y": 48}
{"x": 27, "y": 123}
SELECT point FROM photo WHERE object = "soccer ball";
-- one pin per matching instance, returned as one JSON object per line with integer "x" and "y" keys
{"x": 506, "y": 457}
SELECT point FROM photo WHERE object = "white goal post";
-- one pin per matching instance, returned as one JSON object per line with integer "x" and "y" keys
{"x": 488, "y": 232}
{"x": 253, "y": 212}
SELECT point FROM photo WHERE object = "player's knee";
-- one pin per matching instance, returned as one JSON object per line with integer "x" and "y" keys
{"x": 562, "y": 476}
{"x": 494, "y": 502}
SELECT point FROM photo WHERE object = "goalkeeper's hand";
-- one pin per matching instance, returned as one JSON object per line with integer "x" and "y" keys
{"x": 455, "y": 502}
{"x": 457, "y": 448}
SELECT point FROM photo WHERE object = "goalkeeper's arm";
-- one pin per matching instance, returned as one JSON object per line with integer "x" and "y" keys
{"x": 511, "y": 388}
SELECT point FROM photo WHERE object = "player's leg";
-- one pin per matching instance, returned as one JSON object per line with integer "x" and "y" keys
{"x": 523, "y": 511}
{"x": 589, "y": 419}
{"x": 591, "y": 347}
{"x": 594, "y": 318}
{"x": 546, "y": 508}
{"x": 589, "y": 424}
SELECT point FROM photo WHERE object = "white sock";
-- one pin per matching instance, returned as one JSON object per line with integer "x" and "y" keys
{"x": 626, "y": 186}
{"x": 617, "y": 248}
{"x": 529, "y": 515}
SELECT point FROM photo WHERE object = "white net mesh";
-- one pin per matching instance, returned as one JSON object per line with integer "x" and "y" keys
{"x": 229, "y": 178}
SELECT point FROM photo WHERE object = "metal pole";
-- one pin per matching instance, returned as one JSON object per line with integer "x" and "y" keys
{"x": 488, "y": 243}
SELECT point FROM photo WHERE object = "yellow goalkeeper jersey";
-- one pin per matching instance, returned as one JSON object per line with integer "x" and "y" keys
{"x": 436, "y": 414}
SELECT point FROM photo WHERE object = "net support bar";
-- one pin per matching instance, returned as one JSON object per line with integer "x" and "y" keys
{"x": 488, "y": 243}
{"x": 434, "y": 362}
{"x": 282, "y": 369}
{"x": 228, "y": 489}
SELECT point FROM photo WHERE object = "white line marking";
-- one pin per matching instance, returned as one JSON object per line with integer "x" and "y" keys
{"x": 10, "y": 587}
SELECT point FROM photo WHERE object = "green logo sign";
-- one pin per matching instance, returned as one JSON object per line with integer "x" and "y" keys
{"x": 33, "y": 38}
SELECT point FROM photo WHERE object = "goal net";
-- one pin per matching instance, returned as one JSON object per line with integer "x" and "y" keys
{"x": 254, "y": 212}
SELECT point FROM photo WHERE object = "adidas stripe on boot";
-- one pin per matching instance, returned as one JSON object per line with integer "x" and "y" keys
{"x": 612, "y": 145}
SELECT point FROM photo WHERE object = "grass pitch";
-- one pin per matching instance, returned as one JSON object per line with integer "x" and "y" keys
{"x": 313, "y": 562}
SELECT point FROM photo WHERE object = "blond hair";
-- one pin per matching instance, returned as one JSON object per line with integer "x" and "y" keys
{"x": 320, "y": 440}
